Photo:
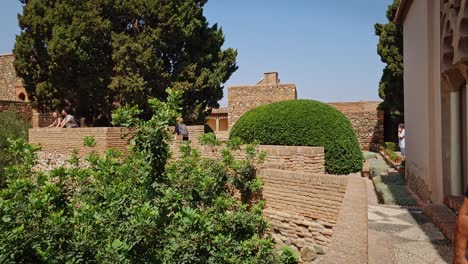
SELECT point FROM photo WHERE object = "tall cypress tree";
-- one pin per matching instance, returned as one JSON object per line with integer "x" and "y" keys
{"x": 91, "y": 55}
{"x": 391, "y": 90}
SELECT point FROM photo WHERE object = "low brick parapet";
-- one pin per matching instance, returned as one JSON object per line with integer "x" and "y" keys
{"x": 64, "y": 140}
{"x": 350, "y": 240}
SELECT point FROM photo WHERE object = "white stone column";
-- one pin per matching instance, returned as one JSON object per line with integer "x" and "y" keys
{"x": 217, "y": 124}
{"x": 455, "y": 144}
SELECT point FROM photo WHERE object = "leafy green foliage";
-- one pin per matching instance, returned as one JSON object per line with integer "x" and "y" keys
{"x": 89, "y": 141}
{"x": 139, "y": 208}
{"x": 12, "y": 126}
{"x": 390, "y": 146}
{"x": 304, "y": 123}
{"x": 390, "y": 49}
{"x": 288, "y": 256}
{"x": 95, "y": 54}
{"x": 392, "y": 155}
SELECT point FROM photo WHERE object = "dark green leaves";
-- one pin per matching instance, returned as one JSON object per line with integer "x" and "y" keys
{"x": 390, "y": 49}
{"x": 95, "y": 54}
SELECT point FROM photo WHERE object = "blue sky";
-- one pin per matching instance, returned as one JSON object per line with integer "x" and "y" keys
{"x": 327, "y": 48}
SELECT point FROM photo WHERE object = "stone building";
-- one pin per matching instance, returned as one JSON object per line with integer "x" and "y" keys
{"x": 436, "y": 113}
{"x": 367, "y": 121}
{"x": 12, "y": 91}
{"x": 11, "y": 86}
{"x": 241, "y": 99}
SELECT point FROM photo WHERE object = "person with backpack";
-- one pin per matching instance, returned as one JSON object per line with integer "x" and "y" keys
{"x": 181, "y": 129}
{"x": 69, "y": 121}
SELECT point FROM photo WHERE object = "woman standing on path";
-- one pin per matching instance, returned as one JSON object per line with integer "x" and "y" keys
{"x": 401, "y": 139}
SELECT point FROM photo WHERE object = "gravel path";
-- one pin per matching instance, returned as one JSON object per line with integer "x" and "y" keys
{"x": 403, "y": 235}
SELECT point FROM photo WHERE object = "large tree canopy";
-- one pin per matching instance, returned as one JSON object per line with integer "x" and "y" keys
{"x": 91, "y": 55}
{"x": 390, "y": 49}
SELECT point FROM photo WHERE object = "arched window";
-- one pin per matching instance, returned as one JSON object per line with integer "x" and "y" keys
{"x": 22, "y": 97}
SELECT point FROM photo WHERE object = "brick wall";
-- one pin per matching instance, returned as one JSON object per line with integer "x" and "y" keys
{"x": 244, "y": 98}
{"x": 302, "y": 209}
{"x": 415, "y": 183}
{"x": 367, "y": 121}
{"x": 8, "y": 78}
{"x": 305, "y": 159}
{"x": 23, "y": 109}
{"x": 64, "y": 140}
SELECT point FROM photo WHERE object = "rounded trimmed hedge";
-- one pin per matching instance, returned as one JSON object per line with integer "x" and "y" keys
{"x": 304, "y": 123}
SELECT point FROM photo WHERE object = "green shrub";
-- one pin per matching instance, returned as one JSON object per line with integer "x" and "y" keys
{"x": 12, "y": 126}
{"x": 208, "y": 129}
{"x": 289, "y": 256}
{"x": 391, "y": 190}
{"x": 304, "y": 123}
{"x": 369, "y": 155}
{"x": 390, "y": 145}
{"x": 138, "y": 208}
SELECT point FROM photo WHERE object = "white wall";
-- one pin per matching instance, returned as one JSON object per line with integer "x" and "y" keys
{"x": 416, "y": 79}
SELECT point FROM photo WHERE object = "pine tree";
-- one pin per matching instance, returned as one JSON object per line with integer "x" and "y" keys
{"x": 93, "y": 55}
{"x": 390, "y": 49}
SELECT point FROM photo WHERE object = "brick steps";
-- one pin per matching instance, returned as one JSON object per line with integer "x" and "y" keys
{"x": 443, "y": 218}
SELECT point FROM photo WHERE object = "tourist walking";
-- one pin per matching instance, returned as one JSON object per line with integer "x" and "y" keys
{"x": 401, "y": 139}
{"x": 181, "y": 129}
{"x": 69, "y": 121}
{"x": 57, "y": 120}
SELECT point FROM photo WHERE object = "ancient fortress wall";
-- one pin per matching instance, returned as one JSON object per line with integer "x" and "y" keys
{"x": 367, "y": 121}
{"x": 241, "y": 99}
{"x": 8, "y": 78}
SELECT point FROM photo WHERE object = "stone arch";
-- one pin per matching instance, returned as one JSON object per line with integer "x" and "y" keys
{"x": 22, "y": 97}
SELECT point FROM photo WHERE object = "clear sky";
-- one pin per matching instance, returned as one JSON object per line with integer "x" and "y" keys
{"x": 327, "y": 48}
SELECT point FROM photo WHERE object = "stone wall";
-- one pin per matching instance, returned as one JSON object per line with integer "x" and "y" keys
{"x": 8, "y": 79}
{"x": 367, "y": 121}
{"x": 64, "y": 140}
{"x": 293, "y": 158}
{"x": 415, "y": 183}
{"x": 302, "y": 209}
{"x": 23, "y": 109}
{"x": 241, "y": 99}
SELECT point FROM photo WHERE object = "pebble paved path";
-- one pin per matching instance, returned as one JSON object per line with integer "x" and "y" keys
{"x": 403, "y": 236}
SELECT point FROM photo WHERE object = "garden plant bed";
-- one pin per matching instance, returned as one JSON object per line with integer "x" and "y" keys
{"x": 390, "y": 185}
{"x": 387, "y": 159}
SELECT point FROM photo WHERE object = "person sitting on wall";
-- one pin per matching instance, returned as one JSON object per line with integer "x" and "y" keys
{"x": 57, "y": 120}
{"x": 69, "y": 121}
{"x": 181, "y": 129}
{"x": 461, "y": 233}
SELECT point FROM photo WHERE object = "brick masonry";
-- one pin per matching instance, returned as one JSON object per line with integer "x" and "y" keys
{"x": 23, "y": 109}
{"x": 8, "y": 79}
{"x": 241, "y": 99}
{"x": 350, "y": 240}
{"x": 64, "y": 140}
{"x": 305, "y": 159}
{"x": 367, "y": 121}
{"x": 415, "y": 183}
{"x": 302, "y": 209}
